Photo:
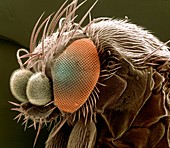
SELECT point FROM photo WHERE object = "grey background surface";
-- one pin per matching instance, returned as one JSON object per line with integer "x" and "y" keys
{"x": 17, "y": 18}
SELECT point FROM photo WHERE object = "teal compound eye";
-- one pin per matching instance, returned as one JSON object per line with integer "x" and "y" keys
{"x": 18, "y": 83}
{"x": 39, "y": 90}
{"x": 75, "y": 74}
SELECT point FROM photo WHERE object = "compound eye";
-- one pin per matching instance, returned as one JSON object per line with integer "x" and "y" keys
{"x": 75, "y": 73}
{"x": 18, "y": 83}
{"x": 39, "y": 90}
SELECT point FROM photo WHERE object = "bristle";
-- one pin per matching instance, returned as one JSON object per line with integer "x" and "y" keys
{"x": 43, "y": 38}
{"x": 44, "y": 34}
{"x": 13, "y": 103}
{"x": 87, "y": 27}
{"x": 74, "y": 117}
{"x": 18, "y": 117}
{"x": 34, "y": 122}
{"x": 31, "y": 62}
{"x": 16, "y": 109}
{"x": 38, "y": 132}
{"x": 32, "y": 45}
{"x": 64, "y": 27}
{"x": 74, "y": 6}
{"x": 87, "y": 112}
{"x": 90, "y": 17}
{"x": 51, "y": 102}
{"x": 56, "y": 129}
{"x": 95, "y": 95}
{"x": 149, "y": 55}
{"x": 71, "y": 8}
{"x": 84, "y": 17}
{"x": 19, "y": 57}
{"x": 101, "y": 84}
{"x": 55, "y": 19}
{"x": 38, "y": 31}
{"x": 25, "y": 122}
{"x": 28, "y": 55}
{"x": 83, "y": 111}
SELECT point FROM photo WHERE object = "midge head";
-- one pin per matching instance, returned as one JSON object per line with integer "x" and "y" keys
{"x": 63, "y": 68}
{"x": 60, "y": 80}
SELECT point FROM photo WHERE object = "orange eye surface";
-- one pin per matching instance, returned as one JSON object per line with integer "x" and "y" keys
{"x": 75, "y": 73}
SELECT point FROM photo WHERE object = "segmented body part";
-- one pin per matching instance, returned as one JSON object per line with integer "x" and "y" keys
{"x": 136, "y": 44}
{"x": 110, "y": 82}
{"x": 143, "y": 88}
{"x": 39, "y": 89}
{"x": 41, "y": 115}
{"x": 60, "y": 139}
{"x": 83, "y": 135}
{"x": 18, "y": 83}
{"x": 36, "y": 113}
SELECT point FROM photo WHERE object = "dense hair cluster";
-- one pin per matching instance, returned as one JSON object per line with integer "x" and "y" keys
{"x": 105, "y": 84}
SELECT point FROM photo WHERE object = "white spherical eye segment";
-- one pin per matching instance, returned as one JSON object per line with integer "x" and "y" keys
{"x": 18, "y": 83}
{"x": 39, "y": 91}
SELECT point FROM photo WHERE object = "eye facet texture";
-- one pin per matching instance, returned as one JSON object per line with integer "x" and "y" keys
{"x": 39, "y": 89}
{"x": 18, "y": 83}
{"x": 75, "y": 73}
